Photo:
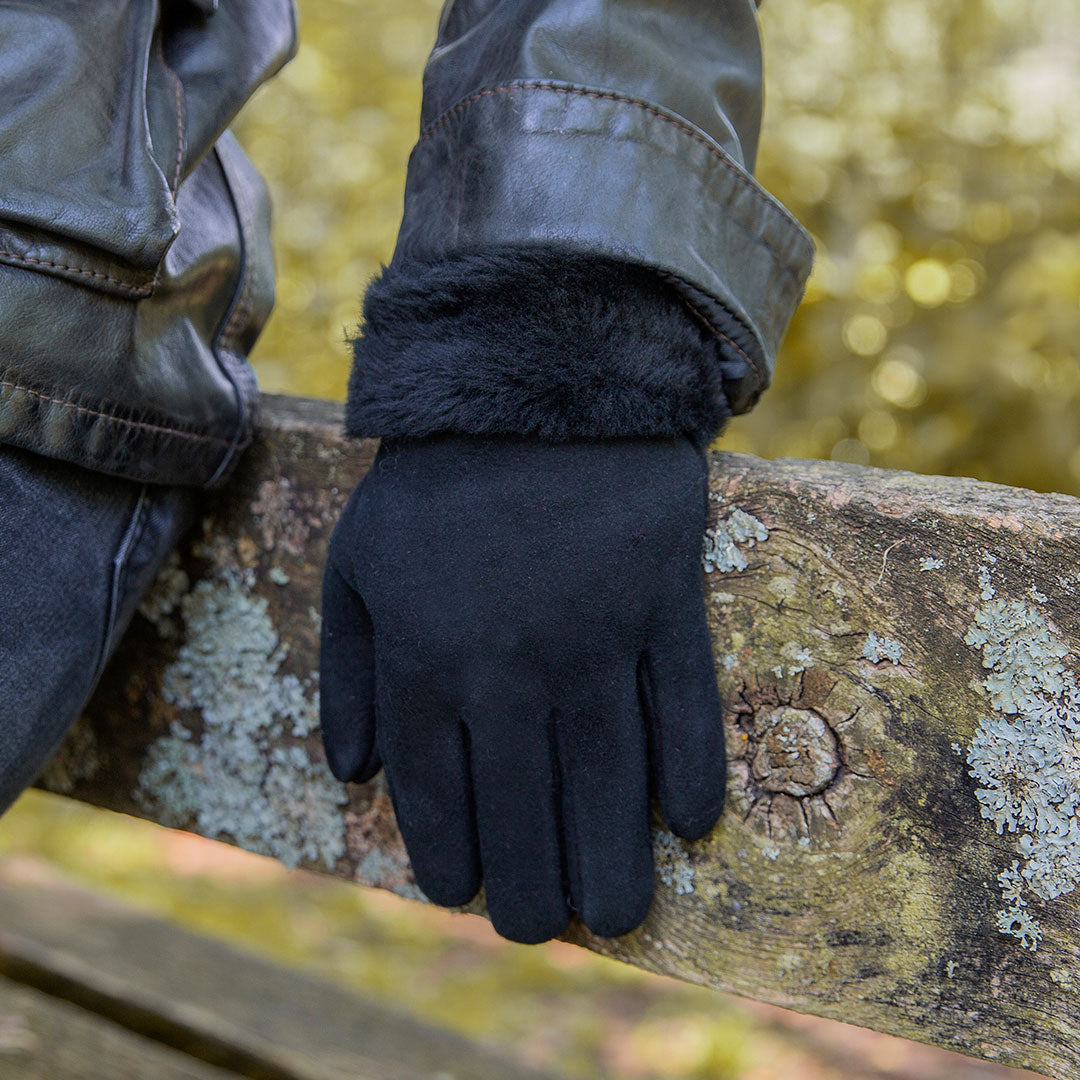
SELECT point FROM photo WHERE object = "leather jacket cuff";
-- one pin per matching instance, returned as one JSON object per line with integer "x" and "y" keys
{"x": 607, "y": 174}
{"x": 537, "y": 341}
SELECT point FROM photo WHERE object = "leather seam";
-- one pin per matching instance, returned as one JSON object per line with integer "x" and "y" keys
{"x": 227, "y": 337}
{"x": 610, "y": 95}
{"x": 240, "y": 313}
{"x": 112, "y": 418}
{"x": 121, "y": 558}
{"x": 178, "y": 91}
{"x": 29, "y": 260}
{"x": 718, "y": 333}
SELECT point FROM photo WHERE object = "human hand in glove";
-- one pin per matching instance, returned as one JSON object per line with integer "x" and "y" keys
{"x": 586, "y": 283}
{"x": 513, "y": 615}
{"x": 516, "y": 630}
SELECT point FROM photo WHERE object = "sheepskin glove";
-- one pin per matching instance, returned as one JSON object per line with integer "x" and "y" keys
{"x": 515, "y": 630}
{"x": 513, "y": 616}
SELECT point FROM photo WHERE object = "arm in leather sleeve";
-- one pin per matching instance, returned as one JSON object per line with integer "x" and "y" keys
{"x": 514, "y": 622}
{"x": 579, "y": 159}
{"x": 134, "y": 235}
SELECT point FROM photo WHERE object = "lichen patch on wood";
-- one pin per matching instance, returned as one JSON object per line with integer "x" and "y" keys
{"x": 673, "y": 866}
{"x": 241, "y": 771}
{"x": 725, "y": 542}
{"x": 1027, "y": 757}
{"x": 876, "y": 650}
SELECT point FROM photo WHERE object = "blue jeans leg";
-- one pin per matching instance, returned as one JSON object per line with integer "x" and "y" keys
{"x": 77, "y": 551}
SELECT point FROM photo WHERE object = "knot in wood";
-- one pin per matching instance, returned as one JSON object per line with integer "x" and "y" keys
{"x": 797, "y": 752}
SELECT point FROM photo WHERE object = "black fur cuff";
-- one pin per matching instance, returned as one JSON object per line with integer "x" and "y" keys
{"x": 533, "y": 342}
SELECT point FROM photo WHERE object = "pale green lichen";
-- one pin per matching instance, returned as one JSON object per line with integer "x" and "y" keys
{"x": 877, "y": 649}
{"x": 801, "y": 658}
{"x": 278, "y": 576}
{"x": 378, "y": 866}
{"x": 243, "y": 776}
{"x": 1027, "y": 758}
{"x": 1019, "y": 923}
{"x": 928, "y": 563}
{"x": 672, "y": 863}
{"x": 784, "y": 587}
{"x": 721, "y": 547}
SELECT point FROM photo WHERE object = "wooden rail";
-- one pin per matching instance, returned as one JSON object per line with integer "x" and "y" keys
{"x": 93, "y": 990}
{"x": 902, "y": 840}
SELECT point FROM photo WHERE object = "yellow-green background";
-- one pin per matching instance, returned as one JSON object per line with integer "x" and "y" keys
{"x": 932, "y": 147}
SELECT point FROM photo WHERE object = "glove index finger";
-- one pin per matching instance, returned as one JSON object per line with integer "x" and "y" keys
{"x": 347, "y": 680}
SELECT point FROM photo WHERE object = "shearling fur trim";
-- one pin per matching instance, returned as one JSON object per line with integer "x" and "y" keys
{"x": 535, "y": 342}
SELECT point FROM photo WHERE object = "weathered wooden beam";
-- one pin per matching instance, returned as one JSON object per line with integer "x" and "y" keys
{"x": 225, "y": 1014}
{"x": 881, "y": 637}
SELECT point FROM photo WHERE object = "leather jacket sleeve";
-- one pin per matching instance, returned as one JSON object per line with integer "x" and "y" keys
{"x": 616, "y": 130}
{"x": 134, "y": 263}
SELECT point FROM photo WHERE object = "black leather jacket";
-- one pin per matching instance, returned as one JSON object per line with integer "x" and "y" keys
{"x": 134, "y": 264}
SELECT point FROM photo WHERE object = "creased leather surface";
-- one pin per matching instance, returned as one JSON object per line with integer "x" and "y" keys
{"x": 618, "y": 128}
{"x": 134, "y": 261}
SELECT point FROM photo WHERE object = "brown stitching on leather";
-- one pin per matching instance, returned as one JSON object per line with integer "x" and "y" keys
{"x": 718, "y": 333}
{"x": 178, "y": 91}
{"x": 111, "y": 418}
{"x": 637, "y": 103}
{"x": 674, "y": 281}
{"x": 29, "y": 260}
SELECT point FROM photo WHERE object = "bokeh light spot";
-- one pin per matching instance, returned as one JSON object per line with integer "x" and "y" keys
{"x": 927, "y": 282}
{"x": 864, "y": 334}
{"x": 897, "y": 382}
{"x": 852, "y": 451}
{"x": 879, "y": 430}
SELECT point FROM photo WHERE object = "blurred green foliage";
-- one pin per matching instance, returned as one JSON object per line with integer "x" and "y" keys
{"x": 933, "y": 150}
{"x": 332, "y": 135}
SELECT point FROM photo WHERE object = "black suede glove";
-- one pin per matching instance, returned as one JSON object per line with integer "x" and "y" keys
{"x": 513, "y": 617}
{"x": 516, "y": 630}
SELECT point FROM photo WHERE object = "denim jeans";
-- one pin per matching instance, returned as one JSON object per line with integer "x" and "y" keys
{"x": 77, "y": 551}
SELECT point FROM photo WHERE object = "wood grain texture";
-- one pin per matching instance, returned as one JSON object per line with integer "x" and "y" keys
{"x": 43, "y": 1038}
{"x": 875, "y": 633}
{"x": 219, "y": 1011}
